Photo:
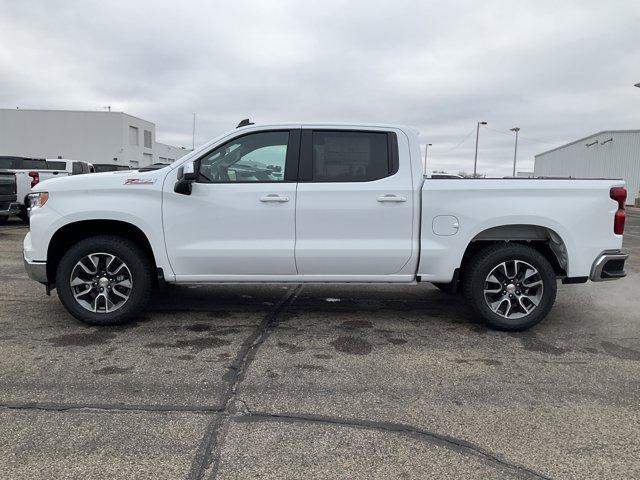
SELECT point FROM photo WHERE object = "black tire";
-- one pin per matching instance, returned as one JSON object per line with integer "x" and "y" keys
{"x": 136, "y": 261}
{"x": 24, "y": 216}
{"x": 4, "y": 219}
{"x": 484, "y": 262}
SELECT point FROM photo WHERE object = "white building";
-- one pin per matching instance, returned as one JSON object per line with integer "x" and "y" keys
{"x": 607, "y": 154}
{"x": 96, "y": 137}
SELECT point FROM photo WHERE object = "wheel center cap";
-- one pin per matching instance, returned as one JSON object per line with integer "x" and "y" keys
{"x": 103, "y": 282}
{"x": 511, "y": 288}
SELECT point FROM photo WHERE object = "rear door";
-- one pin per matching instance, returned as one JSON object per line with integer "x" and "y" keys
{"x": 354, "y": 204}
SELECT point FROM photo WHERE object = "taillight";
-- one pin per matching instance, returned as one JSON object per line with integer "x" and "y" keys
{"x": 619, "y": 194}
{"x": 35, "y": 178}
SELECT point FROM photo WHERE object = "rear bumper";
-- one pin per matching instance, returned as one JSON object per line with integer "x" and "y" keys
{"x": 609, "y": 266}
{"x": 9, "y": 208}
{"x": 36, "y": 270}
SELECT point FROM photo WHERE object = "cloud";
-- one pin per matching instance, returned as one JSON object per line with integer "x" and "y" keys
{"x": 558, "y": 70}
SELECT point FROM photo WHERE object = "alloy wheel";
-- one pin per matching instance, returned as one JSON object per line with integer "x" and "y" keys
{"x": 101, "y": 282}
{"x": 513, "y": 289}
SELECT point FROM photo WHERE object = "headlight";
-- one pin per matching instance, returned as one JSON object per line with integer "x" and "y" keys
{"x": 37, "y": 200}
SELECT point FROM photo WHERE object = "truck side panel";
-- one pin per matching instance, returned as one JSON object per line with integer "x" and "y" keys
{"x": 454, "y": 212}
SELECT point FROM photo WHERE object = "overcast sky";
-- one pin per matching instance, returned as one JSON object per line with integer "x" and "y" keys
{"x": 559, "y": 70}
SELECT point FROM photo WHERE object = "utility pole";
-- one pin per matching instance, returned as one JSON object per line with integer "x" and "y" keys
{"x": 515, "y": 152}
{"x": 426, "y": 147}
{"x": 475, "y": 159}
{"x": 193, "y": 136}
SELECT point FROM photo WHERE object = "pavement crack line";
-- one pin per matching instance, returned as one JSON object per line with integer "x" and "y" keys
{"x": 208, "y": 453}
{"x": 66, "y": 407}
{"x": 452, "y": 443}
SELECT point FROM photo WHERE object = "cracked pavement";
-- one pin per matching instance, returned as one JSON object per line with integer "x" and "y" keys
{"x": 320, "y": 381}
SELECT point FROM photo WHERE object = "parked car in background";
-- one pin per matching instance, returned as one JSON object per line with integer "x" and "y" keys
{"x": 323, "y": 203}
{"x": 28, "y": 173}
{"x": 8, "y": 196}
{"x": 109, "y": 167}
{"x": 72, "y": 167}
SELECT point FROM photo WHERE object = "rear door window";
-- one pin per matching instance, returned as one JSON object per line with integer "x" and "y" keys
{"x": 76, "y": 168}
{"x": 349, "y": 156}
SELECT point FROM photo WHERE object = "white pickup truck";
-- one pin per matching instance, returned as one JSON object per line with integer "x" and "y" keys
{"x": 320, "y": 203}
{"x": 28, "y": 173}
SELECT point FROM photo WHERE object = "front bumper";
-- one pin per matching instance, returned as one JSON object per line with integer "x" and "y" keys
{"x": 609, "y": 266}
{"x": 36, "y": 270}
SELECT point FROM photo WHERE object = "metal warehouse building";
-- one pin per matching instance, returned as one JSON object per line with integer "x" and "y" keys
{"x": 607, "y": 154}
{"x": 96, "y": 137}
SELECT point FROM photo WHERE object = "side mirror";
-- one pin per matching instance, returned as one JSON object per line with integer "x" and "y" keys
{"x": 186, "y": 176}
{"x": 188, "y": 172}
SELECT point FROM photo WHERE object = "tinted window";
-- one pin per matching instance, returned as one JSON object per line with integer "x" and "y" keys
{"x": 32, "y": 163}
{"x": 105, "y": 168}
{"x": 350, "y": 156}
{"x": 257, "y": 157}
{"x": 76, "y": 168}
{"x": 56, "y": 165}
{"x": 6, "y": 163}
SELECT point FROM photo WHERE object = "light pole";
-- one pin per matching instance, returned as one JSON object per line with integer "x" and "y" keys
{"x": 426, "y": 147}
{"x": 193, "y": 136}
{"x": 475, "y": 159}
{"x": 515, "y": 152}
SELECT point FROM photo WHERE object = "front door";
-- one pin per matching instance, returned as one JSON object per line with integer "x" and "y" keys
{"x": 240, "y": 217}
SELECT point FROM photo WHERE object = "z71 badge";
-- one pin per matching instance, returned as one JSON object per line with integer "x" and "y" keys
{"x": 140, "y": 181}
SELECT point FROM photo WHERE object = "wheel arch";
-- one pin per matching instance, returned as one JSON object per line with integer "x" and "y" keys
{"x": 73, "y": 232}
{"x": 542, "y": 238}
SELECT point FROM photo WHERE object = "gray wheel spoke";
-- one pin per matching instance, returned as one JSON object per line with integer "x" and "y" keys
{"x": 84, "y": 267}
{"x": 83, "y": 292}
{"x": 122, "y": 295}
{"x": 79, "y": 281}
{"x": 522, "y": 305}
{"x": 124, "y": 283}
{"x": 534, "y": 301}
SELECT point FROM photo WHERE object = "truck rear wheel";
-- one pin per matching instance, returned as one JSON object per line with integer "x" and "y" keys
{"x": 104, "y": 280}
{"x": 511, "y": 286}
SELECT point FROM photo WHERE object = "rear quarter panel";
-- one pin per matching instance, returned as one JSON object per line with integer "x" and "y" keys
{"x": 580, "y": 212}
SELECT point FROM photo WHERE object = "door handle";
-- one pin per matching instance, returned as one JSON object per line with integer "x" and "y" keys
{"x": 392, "y": 198}
{"x": 274, "y": 197}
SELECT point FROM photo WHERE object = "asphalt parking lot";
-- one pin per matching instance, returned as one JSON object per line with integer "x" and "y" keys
{"x": 319, "y": 382}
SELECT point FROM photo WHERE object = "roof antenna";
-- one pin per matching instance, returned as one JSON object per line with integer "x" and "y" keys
{"x": 245, "y": 122}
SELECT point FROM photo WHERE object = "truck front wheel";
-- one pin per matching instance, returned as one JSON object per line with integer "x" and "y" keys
{"x": 510, "y": 286}
{"x": 104, "y": 280}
